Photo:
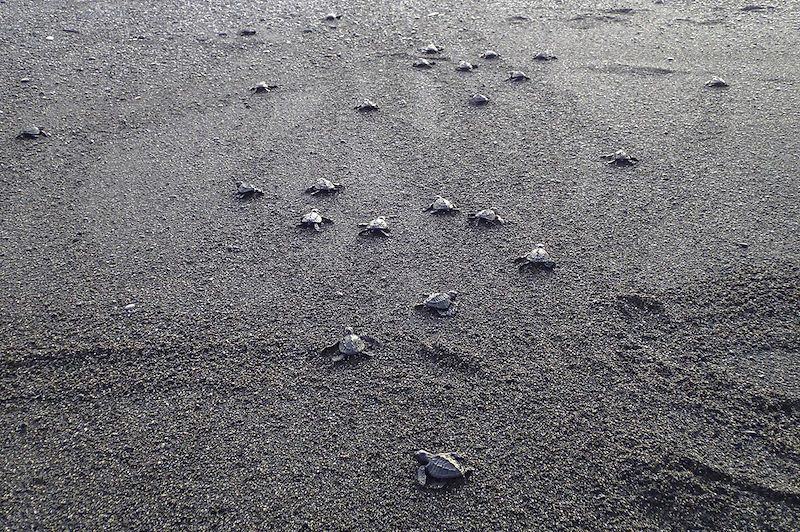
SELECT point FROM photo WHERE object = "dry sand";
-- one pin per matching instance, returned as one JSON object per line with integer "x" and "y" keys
{"x": 579, "y": 404}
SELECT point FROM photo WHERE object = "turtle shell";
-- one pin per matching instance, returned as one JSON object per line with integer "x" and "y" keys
{"x": 313, "y": 217}
{"x": 439, "y": 300}
{"x": 539, "y": 255}
{"x": 352, "y": 344}
{"x": 444, "y": 466}
{"x": 423, "y": 63}
{"x": 479, "y": 99}
{"x": 442, "y": 204}
{"x": 324, "y": 184}
{"x": 487, "y": 214}
{"x": 378, "y": 223}
{"x": 517, "y": 75}
{"x": 465, "y": 66}
{"x": 490, "y": 54}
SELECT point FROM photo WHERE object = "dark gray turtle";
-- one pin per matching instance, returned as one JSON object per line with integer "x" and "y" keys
{"x": 432, "y": 49}
{"x": 441, "y": 205}
{"x": 620, "y": 158}
{"x": 323, "y": 186}
{"x": 314, "y": 219}
{"x": 716, "y": 82}
{"x": 487, "y": 217}
{"x": 32, "y": 132}
{"x": 517, "y": 75}
{"x": 490, "y": 54}
{"x": 350, "y": 345}
{"x": 465, "y": 66}
{"x": 423, "y": 63}
{"x": 537, "y": 258}
{"x": 246, "y": 32}
{"x": 478, "y": 100}
{"x": 245, "y": 190}
{"x": 332, "y": 17}
{"x": 262, "y": 86}
{"x": 443, "y": 303}
{"x": 378, "y": 227}
{"x": 436, "y": 470}
{"x": 366, "y": 106}
{"x": 544, "y": 56}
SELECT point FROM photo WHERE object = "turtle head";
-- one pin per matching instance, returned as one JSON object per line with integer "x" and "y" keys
{"x": 540, "y": 245}
{"x": 422, "y": 456}
{"x": 452, "y": 293}
{"x": 381, "y": 218}
{"x": 348, "y": 330}
{"x": 315, "y": 210}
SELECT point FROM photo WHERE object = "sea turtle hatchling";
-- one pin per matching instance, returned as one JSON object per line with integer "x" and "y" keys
{"x": 32, "y": 132}
{"x": 537, "y": 258}
{"x": 366, "y": 106}
{"x": 620, "y": 158}
{"x": 378, "y": 227}
{"x": 478, "y": 100}
{"x": 261, "y": 87}
{"x": 332, "y": 17}
{"x": 716, "y": 82}
{"x": 517, "y": 75}
{"x": 432, "y": 49}
{"x": 443, "y": 303}
{"x": 487, "y": 217}
{"x": 490, "y": 54}
{"x": 314, "y": 219}
{"x": 349, "y": 345}
{"x": 245, "y": 190}
{"x": 436, "y": 470}
{"x": 441, "y": 205}
{"x": 423, "y": 63}
{"x": 544, "y": 56}
{"x": 323, "y": 186}
{"x": 465, "y": 66}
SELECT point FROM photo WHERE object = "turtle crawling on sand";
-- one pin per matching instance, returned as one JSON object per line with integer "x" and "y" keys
{"x": 537, "y": 258}
{"x": 490, "y": 54}
{"x": 544, "y": 56}
{"x": 32, "y": 132}
{"x": 423, "y": 63}
{"x": 314, "y": 219}
{"x": 261, "y": 87}
{"x": 620, "y": 158}
{"x": 441, "y": 205}
{"x": 378, "y": 227}
{"x": 432, "y": 49}
{"x": 465, "y": 66}
{"x": 366, "y": 106}
{"x": 716, "y": 82}
{"x": 443, "y": 303}
{"x": 487, "y": 217}
{"x": 517, "y": 75}
{"x": 436, "y": 470}
{"x": 332, "y": 17}
{"x": 478, "y": 100}
{"x": 350, "y": 345}
{"x": 245, "y": 190}
{"x": 323, "y": 186}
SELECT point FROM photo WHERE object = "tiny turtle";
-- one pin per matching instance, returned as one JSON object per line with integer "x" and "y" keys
{"x": 620, "y": 158}
{"x": 465, "y": 66}
{"x": 314, "y": 219}
{"x": 443, "y": 303}
{"x": 432, "y": 49}
{"x": 441, "y": 205}
{"x": 245, "y": 190}
{"x": 537, "y": 258}
{"x": 32, "y": 132}
{"x": 517, "y": 75}
{"x": 478, "y": 100}
{"x": 490, "y": 54}
{"x": 366, "y": 106}
{"x": 378, "y": 227}
{"x": 716, "y": 82}
{"x": 323, "y": 186}
{"x": 332, "y": 17}
{"x": 487, "y": 216}
{"x": 350, "y": 345}
{"x": 436, "y": 470}
{"x": 544, "y": 56}
{"x": 246, "y": 32}
{"x": 423, "y": 63}
{"x": 262, "y": 86}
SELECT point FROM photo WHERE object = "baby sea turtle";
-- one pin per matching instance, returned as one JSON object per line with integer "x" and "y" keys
{"x": 620, "y": 158}
{"x": 378, "y": 227}
{"x": 246, "y": 32}
{"x": 517, "y": 75}
{"x": 432, "y": 49}
{"x": 465, "y": 66}
{"x": 32, "y": 132}
{"x": 478, "y": 100}
{"x": 443, "y": 303}
{"x": 350, "y": 345}
{"x": 441, "y": 205}
{"x": 490, "y": 54}
{"x": 487, "y": 217}
{"x": 245, "y": 190}
{"x": 262, "y": 86}
{"x": 436, "y": 470}
{"x": 423, "y": 63}
{"x": 544, "y": 56}
{"x": 366, "y": 106}
{"x": 332, "y": 17}
{"x": 537, "y": 258}
{"x": 716, "y": 82}
{"x": 323, "y": 186}
{"x": 314, "y": 219}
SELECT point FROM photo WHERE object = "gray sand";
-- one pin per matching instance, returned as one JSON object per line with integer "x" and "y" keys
{"x": 578, "y": 404}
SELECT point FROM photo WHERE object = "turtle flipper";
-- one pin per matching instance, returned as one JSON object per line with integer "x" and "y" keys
{"x": 337, "y": 358}
{"x": 428, "y": 208}
{"x": 364, "y": 232}
{"x": 451, "y": 311}
{"x": 373, "y": 342}
{"x": 517, "y": 260}
{"x": 326, "y": 220}
{"x": 383, "y": 232}
{"x": 316, "y": 228}
{"x": 422, "y": 476}
{"x": 330, "y": 350}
